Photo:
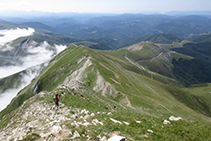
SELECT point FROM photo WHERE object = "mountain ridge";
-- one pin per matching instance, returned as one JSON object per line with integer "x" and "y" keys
{"x": 88, "y": 80}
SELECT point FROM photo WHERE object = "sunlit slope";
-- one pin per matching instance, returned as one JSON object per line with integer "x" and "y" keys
{"x": 151, "y": 59}
{"x": 106, "y": 82}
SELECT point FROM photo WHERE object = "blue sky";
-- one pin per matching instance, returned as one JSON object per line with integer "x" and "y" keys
{"x": 106, "y": 6}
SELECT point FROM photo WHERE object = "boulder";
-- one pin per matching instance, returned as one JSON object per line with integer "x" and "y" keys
{"x": 166, "y": 122}
{"x": 75, "y": 135}
{"x": 117, "y": 138}
{"x": 172, "y": 118}
{"x": 55, "y": 129}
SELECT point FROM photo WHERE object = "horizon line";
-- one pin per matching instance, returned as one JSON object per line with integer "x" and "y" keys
{"x": 138, "y": 12}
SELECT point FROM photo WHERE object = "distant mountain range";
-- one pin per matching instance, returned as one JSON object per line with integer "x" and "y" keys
{"x": 116, "y": 31}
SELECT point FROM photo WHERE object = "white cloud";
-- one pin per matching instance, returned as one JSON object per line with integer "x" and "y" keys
{"x": 60, "y": 48}
{"x": 7, "y": 96}
{"x": 12, "y": 34}
{"x": 38, "y": 55}
{"x": 6, "y": 47}
{"x": 16, "y": 5}
{"x": 24, "y": 3}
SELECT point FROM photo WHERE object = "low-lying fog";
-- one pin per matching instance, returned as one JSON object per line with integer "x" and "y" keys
{"x": 38, "y": 55}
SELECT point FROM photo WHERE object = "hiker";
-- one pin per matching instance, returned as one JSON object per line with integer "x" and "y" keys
{"x": 114, "y": 106}
{"x": 56, "y": 100}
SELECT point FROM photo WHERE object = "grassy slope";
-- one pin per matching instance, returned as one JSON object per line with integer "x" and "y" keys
{"x": 11, "y": 82}
{"x": 146, "y": 91}
{"x": 143, "y": 55}
{"x": 151, "y": 100}
{"x": 151, "y": 97}
{"x": 203, "y": 93}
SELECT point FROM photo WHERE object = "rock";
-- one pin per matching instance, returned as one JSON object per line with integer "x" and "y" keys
{"x": 116, "y": 121}
{"x": 109, "y": 113}
{"x": 75, "y": 135}
{"x": 117, "y": 138}
{"x": 85, "y": 123}
{"x": 127, "y": 123}
{"x": 138, "y": 121}
{"x": 36, "y": 88}
{"x": 74, "y": 116}
{"x": 99, "y": 136}
{"x": 86, "y": 116}
{"x": 55, "y": 129}
{"x": 172, "y": 118}
{"x": 84, "y": 111}
{"x": 103, "y": 138}
{"x": 166, "y": 122}
{"x": 150, "y": 131}
{"x": 92, "y": 114}
{"x": 95, "y": 122}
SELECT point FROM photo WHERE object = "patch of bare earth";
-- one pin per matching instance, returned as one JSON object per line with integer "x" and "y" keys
{"x": 126, "y": 101}
{"x": 114, "y": 81}
{"x": 114, "y": 133}
{"x": 135, "y": 47}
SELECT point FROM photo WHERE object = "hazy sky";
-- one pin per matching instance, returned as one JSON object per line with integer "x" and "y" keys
{"x": 108, "y": 6}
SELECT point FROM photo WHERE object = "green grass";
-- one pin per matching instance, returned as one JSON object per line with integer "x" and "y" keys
{"x": 151, "y": 100}
{"x": 11, "y": 82}
{"x": 198, "y": 103}
{"x": 203, "y": 93}
{"x": 176, "y": 130}
{"x": 32, "y": 137}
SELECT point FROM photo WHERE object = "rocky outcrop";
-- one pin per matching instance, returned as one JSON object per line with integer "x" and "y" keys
{"x": 76, "y": 79}
{"x": 35, "y": 88}
{"x": 48, "y": 123}
{"x": 22, "y": 48}
{"x": 105, "y": 87}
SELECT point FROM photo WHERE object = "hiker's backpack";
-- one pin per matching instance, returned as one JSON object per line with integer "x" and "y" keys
{"x": 54, "y": 98}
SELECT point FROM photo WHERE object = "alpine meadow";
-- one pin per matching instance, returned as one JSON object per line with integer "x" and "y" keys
{"x": 118, "y": 76}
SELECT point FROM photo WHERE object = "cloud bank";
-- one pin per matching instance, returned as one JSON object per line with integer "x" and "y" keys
{"x": 8, "y": 95}
{"x": 38, "y": 55}
{"x": 8, "y": 35}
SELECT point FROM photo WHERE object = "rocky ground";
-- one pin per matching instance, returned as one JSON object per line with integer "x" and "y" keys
{"x": 40, "y": 120}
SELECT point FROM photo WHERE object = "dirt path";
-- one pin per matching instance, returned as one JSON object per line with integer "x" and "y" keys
{"x": 115, "y": 74}
{"x": 138, "y": 65}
